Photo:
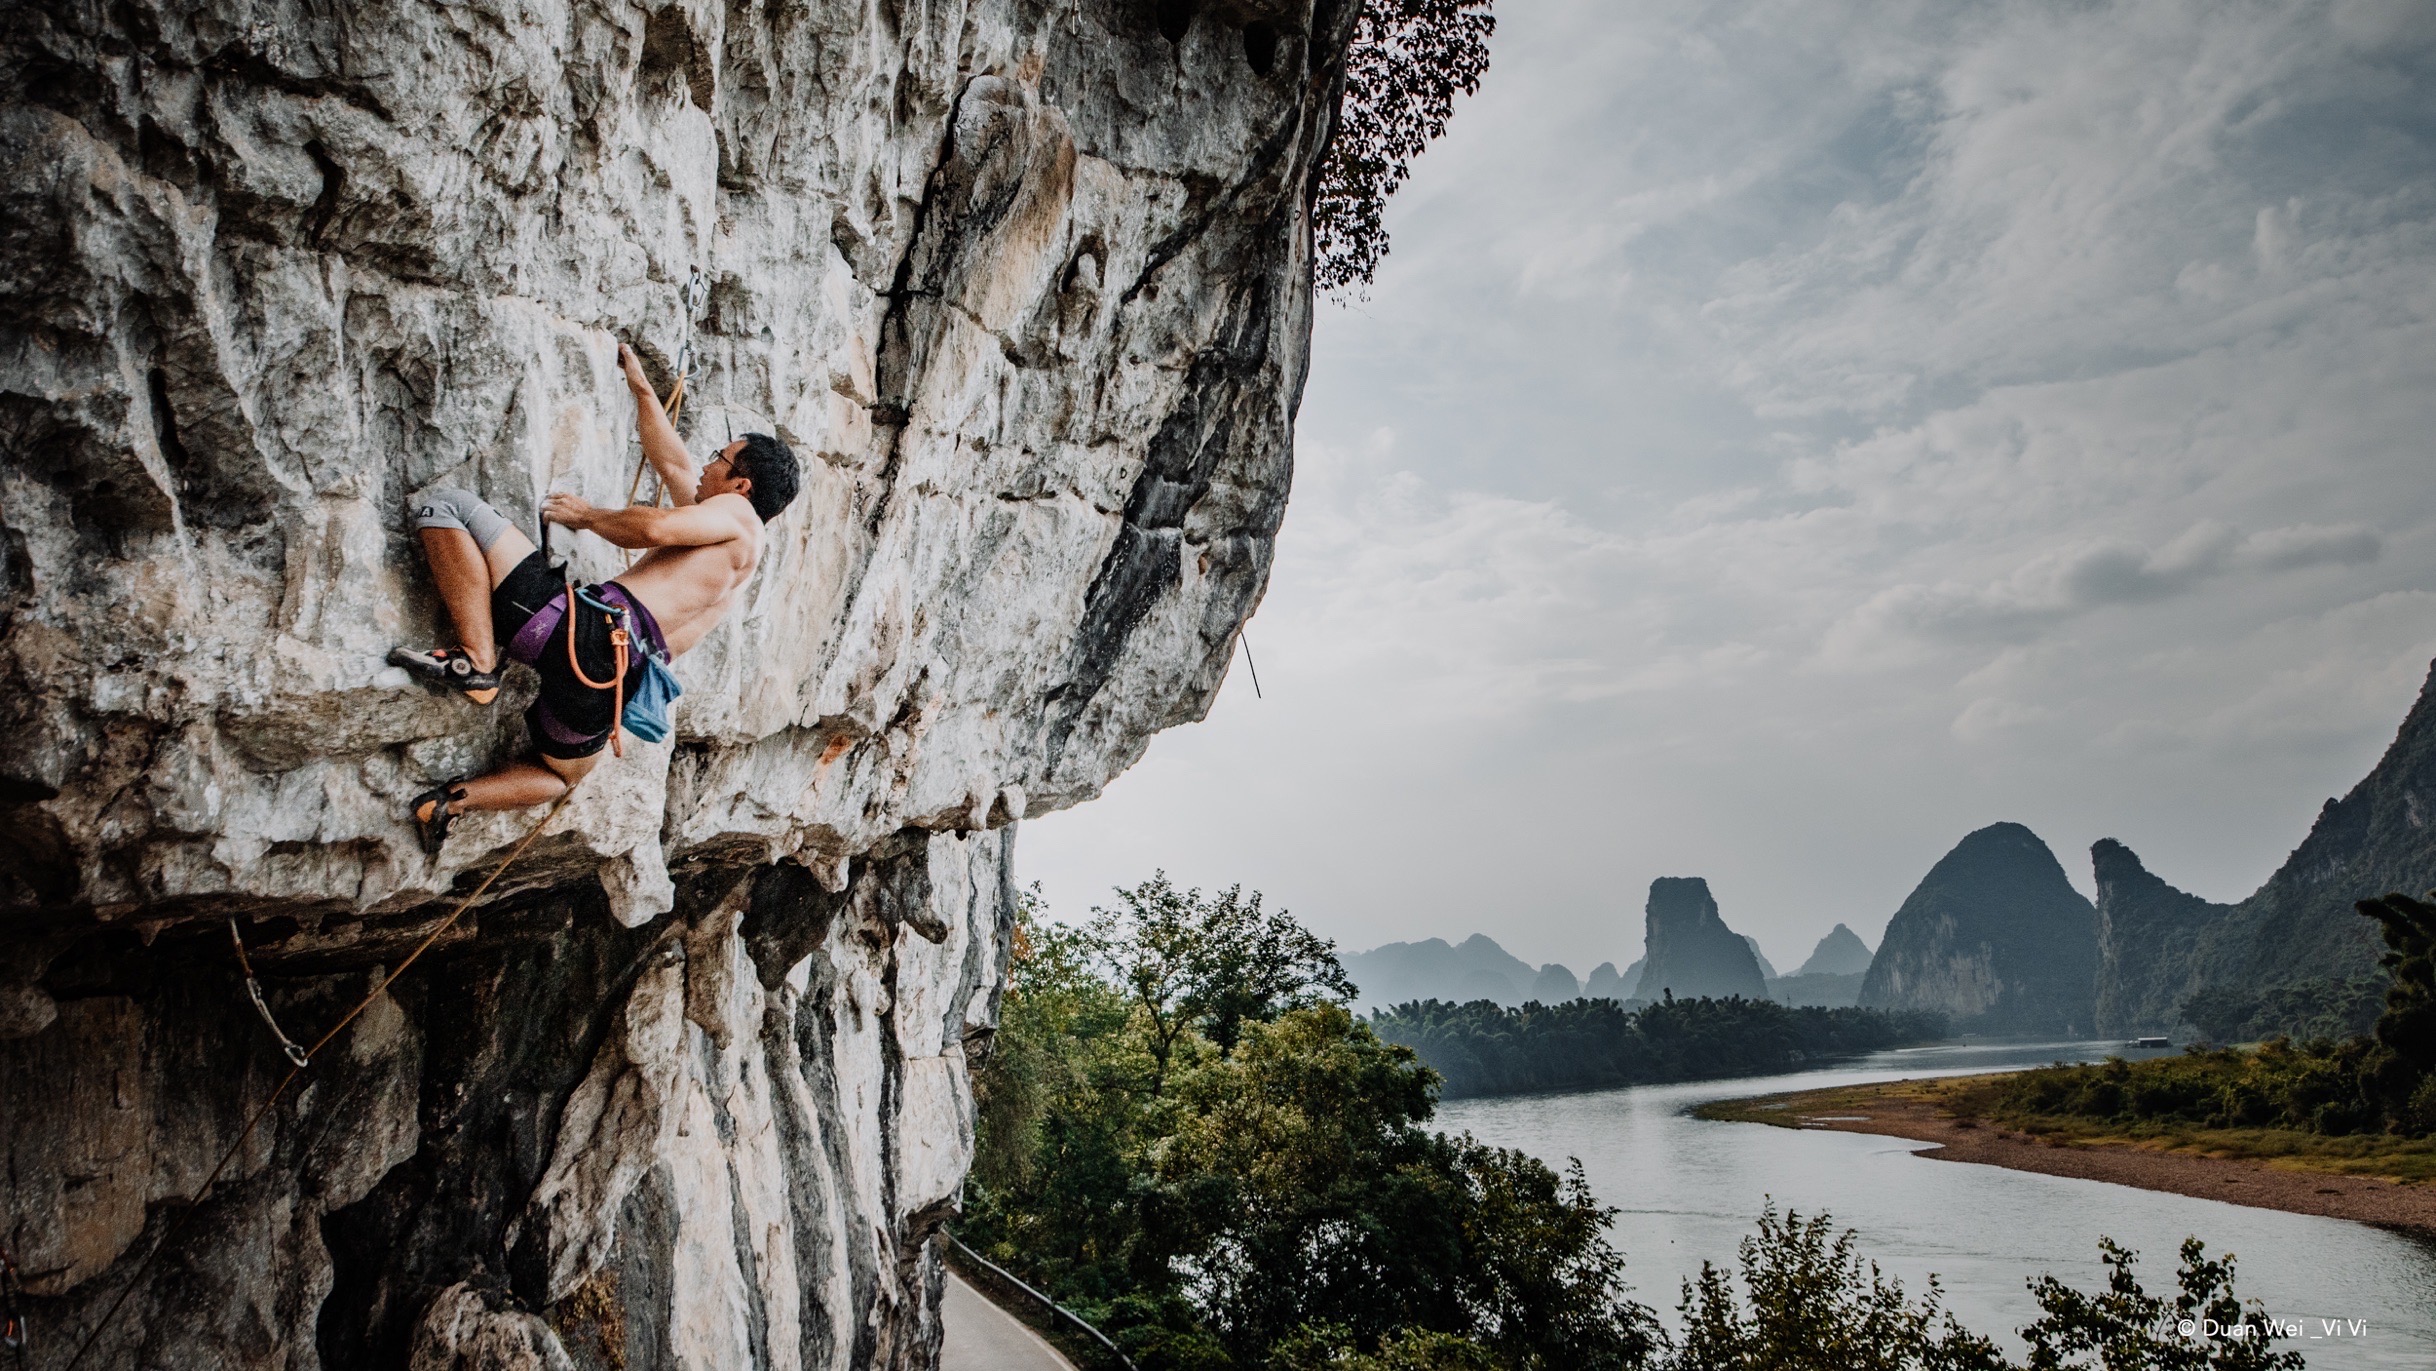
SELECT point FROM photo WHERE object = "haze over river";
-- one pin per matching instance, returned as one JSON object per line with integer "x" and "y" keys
{"x": 1689, "y": 1190}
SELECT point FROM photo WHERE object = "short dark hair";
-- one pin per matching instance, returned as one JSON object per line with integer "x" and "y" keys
{"x": 770, "y": 465}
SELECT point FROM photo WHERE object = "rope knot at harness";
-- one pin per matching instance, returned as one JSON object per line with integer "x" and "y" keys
{"x": 616, "y": 684}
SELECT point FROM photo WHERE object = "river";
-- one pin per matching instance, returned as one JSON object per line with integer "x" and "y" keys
{"x": 1689, "y": 1189}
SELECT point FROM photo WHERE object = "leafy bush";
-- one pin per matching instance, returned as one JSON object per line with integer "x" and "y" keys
{"x": 1408, "y": 62}
{"x": 2127, "y": 1327}
{"x": 2358, "y": 1084}
{"x": 1483, "y": 1048}
{"x": 2327, "y": 1007}
{"x": 1815, "y": 1303}
{"x": 1812, "y": 1303}
{"x": 1185, "y": 1135}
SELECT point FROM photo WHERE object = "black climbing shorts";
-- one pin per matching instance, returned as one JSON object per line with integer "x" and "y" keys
{"x": 568, "y": 719}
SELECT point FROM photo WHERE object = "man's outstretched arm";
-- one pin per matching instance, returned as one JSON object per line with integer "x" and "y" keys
{"x": 661, "y": 445}
{"x": 640, "y": 526}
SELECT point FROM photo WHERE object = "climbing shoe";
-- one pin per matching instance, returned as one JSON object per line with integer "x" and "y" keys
{"x": 449, "y": 666}
{"x": 431, "y": 815}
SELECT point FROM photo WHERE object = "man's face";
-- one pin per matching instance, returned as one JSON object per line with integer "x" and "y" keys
{"x": 719, "y": 475}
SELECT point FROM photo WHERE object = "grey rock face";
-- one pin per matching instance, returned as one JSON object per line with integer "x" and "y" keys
{"x": 1825, "y": 989}
{"x": 1691, "y": 952}
{"x": 1994, "y": 937}
{"x": 1025, "y": 286}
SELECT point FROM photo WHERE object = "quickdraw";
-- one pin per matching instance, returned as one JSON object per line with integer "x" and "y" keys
{"x": 177, "y": 1225}
{"x": 253, "y": 991}
{"x": 693, "y": 297}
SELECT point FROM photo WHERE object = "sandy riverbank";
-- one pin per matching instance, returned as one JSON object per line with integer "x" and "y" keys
{"x": 1911, "y": 1109}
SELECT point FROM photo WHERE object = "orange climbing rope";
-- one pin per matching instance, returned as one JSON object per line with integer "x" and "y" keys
{"x": 263, "y": 1110}
{"x": 619, "y": 639}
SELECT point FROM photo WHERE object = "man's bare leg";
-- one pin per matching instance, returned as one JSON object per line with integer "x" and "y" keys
{"x": 521, "y": 785}
{"x": 463, "y": 575}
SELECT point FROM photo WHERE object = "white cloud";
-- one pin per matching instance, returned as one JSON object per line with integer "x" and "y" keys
{"x": 1785, "y": 437}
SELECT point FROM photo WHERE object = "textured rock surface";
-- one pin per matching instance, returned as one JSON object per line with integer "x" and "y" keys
{"x": 1026, "y": 286}
{"x": 1994, "y": 937}
{"x": 1690, "y": 950}
{"x": 2160, "y": 944}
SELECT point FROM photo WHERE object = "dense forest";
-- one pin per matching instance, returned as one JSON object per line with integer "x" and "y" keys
{"x": 1186, "y": 1138}
{"x": 2382, "y": 1081}
{"x": 1485, "y": 1049}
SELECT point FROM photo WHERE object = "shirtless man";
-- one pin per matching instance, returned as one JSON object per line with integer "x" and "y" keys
{"x": 503, "y": 596}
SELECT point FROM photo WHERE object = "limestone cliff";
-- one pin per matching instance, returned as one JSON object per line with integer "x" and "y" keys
{"x": 1026, "y": 284}
{"x": 2149, "y": 935}
{"x": 2299, "y": 929}
{"x": 1994, "y": 937}
{"x": 1690, "y": 951}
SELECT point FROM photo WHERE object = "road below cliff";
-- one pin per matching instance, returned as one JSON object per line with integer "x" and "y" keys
{"x": 983, "y": 1337}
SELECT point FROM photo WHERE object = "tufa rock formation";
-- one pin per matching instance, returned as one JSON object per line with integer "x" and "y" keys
{"x": 1025, "y": 285}
{"x": 1994, "y": 937}
{"x": 2161, "y": 945}
{"x": 1691, "y": 952}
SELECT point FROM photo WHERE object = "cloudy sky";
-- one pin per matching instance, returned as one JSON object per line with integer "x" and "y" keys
{"x": 1790, "y": 435}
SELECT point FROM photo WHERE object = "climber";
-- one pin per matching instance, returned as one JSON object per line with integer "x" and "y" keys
{"x": 505, "y": 599}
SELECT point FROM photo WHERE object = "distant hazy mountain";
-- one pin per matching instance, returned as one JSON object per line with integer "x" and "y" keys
{"x": 1765, "y": 969}
{"x": 1995, "y": 938}
{"x": 1831, "y": 978}
{"x": 1474, "y": 969}
{"x": 1840, "y": 953}
{"x": 1691, "y": 951}
{"x": 1606, "y": 984}
{"x": 1555, "y": 985}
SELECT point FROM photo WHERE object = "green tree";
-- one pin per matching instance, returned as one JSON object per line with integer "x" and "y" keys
{"x": 2124, "y": 1328}
{"x": 1210, "y": 963}
{"x": 1408, "y": 62}
{"x": 2404, "y": 1074}
{"x": 1815, "y": 1305}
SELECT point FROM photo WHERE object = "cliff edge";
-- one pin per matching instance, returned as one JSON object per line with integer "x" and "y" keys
{"x": 1026, "y": 286}
{"x": 2298, "y": 932}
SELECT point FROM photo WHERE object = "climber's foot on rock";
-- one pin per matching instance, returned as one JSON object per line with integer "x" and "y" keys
{"x": 432, "y": 816}
{"x": 451, "y": 667}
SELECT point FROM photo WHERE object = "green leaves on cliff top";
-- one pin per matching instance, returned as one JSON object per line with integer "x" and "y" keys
{"x": 1408, "y": 62}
